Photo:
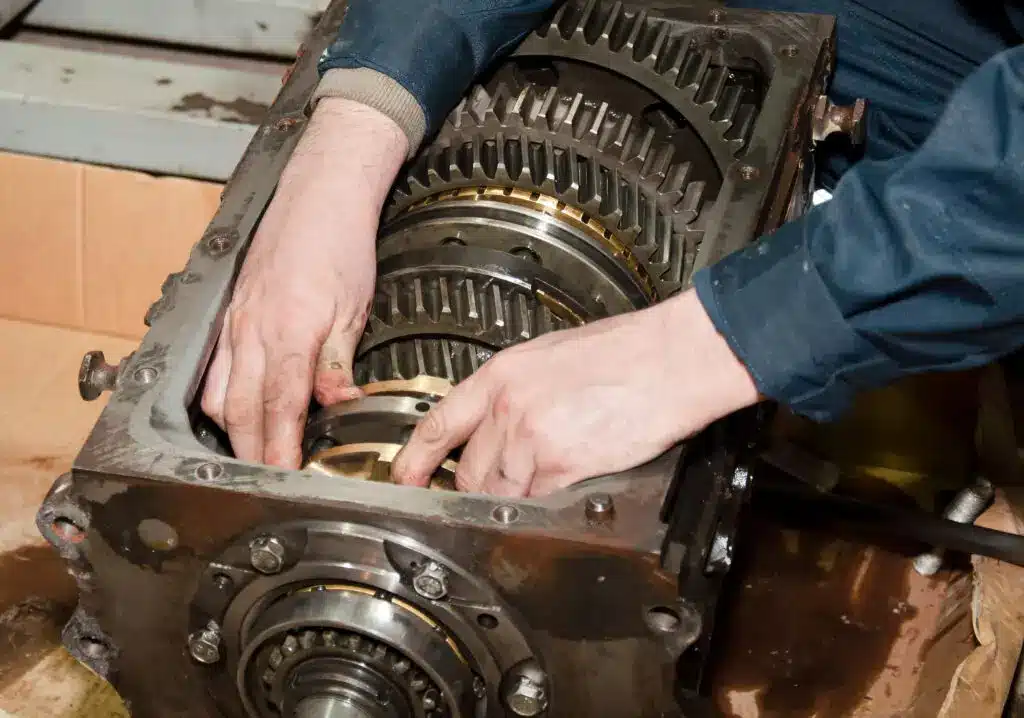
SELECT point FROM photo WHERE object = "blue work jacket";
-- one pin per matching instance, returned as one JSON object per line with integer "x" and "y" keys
{"x": 916, "y": 264}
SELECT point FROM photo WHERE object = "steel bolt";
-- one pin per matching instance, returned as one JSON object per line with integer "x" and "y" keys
{"x": 830, "y": 119}
{"x": 965, "y": 508}
{"x": 430, "y": 700}
{"x": 600, "y": 506}
{"x": 431, "y": 581}
{"x": 266, "y": 554}
{"x": 96, "y": 376}
{"x": 526, "y": 697}
{"x": 720, "y": 556}
{"x": 204, "y": 645}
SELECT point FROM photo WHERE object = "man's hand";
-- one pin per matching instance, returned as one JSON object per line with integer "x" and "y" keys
{"x": 582, "y": 402}
{"x": 301, "y": 300}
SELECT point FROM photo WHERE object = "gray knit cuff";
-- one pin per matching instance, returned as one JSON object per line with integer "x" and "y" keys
{"x": 382, "y": 93}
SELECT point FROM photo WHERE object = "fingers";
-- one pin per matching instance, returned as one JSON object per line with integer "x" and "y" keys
{"x": 216, "y": 388}
{"x": 445, "y": 427}
{"x": 286, "y": 389}
{"x": 515, "y": 473}
{"x": 333, "y": 381}
{"x": 243, "y": 401}
{"x": 479, "y": 460}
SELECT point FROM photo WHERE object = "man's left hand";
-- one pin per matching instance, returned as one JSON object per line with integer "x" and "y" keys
{"x": 581, "y": 403}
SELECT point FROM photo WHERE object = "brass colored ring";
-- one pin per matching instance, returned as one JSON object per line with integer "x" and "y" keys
{"x": 552, "y": 207}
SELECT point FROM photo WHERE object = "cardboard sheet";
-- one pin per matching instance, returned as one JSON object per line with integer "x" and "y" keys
{"x": 88, "y": 247}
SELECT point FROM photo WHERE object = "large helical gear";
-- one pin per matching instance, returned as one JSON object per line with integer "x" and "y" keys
{"x": 687, "y": 69}
{"x": 608, "y": 164}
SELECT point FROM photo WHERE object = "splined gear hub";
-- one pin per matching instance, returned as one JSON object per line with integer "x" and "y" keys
{"x": 346, "y": 651}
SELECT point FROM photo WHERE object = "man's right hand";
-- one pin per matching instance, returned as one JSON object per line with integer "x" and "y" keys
{"x": 301, "y": 300}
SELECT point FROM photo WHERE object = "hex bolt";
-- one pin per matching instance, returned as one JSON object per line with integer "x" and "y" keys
{"x": 97, "y": 376}
{"x": 430, "y": 700}
{"x": 431, "y": 581}
{"x": 266, "y": 554}
{"x": 965, "y": 508}
{"x": 720, "y": 556}
{"x": 526, "y": 697}
{"x": 600, "y": 506}
{"x": 204, "y": 645}
{"x": 830, "y": 118}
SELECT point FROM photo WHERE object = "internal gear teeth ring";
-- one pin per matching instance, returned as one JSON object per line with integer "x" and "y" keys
{"x": 372, "y": 651}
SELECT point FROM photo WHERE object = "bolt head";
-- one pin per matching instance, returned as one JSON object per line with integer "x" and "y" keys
{"x": 431, "y": 581}
{"x": 94, "y": 375}
{"x": 266, "y": 554}
{"x": 204, "y": 646}
{"x": 600, "y": 506}
{"x": 430, "y": 700}
{"x": 526, "y": 698}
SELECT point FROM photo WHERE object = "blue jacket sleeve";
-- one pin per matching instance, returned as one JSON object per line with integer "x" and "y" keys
{"x": 433, "y": 48}
{"x": 916, "y": 264}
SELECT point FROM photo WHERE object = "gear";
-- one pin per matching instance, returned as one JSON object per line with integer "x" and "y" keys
{"x": 460, "y": 294}
{"x": 686, "y": 68}
{"x": 449, "y": 359}
{"x": 400, "y": 683}
{"x": 302, "y": 645}
{"x": 469, "y": 302}
{"x": 612, "y": 167}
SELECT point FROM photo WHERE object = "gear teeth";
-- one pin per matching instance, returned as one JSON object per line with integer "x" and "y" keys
{"x": 621, "y": 29}
{"x": 652, "y": 45}
{"x": 658, "y": 164}
{"x": 571, "y": 19}
{"x": 408, "y": 314}
{"x": 637, "y": 27}
{"x": 728, "y": 105}
{"x": 545, "y": 107}
{"x": 573, "y": 118}
{"x": 695, "y": 66}
{"x": 670, "y": 62}
{"x": 693, "y": 198}
{"x": 611, "y": 166}
{"x": 712, "y": 86}
{"x": 739, "y": 132}
{"x": 655, "y": 44}
{"x": 443, "y": 358}
{"x": 404, "y": 673}
{"x": 435, "y": 303}
{"x": 603, "y": 23}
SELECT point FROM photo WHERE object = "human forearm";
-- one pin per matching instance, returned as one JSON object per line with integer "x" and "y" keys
{"x": 413, "y": 59}
{"x": 916, "y": 264}
{"x": 352, "y": 147}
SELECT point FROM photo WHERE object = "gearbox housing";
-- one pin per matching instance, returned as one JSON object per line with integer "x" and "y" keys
{"x": 620, "y": 148}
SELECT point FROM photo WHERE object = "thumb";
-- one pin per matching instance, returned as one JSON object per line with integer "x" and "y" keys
{"x": 333, "y": 380}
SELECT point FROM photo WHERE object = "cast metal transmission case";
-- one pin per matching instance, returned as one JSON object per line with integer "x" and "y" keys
{"x": 621, "y": 147}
